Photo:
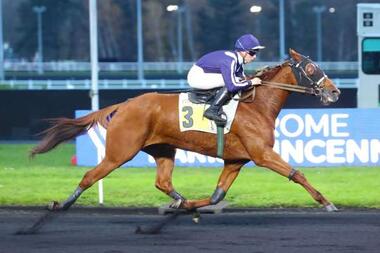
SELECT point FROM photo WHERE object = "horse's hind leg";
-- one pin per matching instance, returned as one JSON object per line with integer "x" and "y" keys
{"x": 270, "y": 159}
{"x": 121, "y": 146}
{"x": 227, "y": 177}
{"x": 91, "y": 176}
{"x": 164, "y": 156}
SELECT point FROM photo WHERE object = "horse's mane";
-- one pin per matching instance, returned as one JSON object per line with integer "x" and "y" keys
{"x": 267, "y": 73}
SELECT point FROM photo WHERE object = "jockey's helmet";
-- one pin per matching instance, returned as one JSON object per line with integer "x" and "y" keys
{"x": 248, "y": 42}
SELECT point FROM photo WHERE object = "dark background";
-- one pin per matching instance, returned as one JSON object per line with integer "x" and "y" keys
{"x": 207, "y": 25}
{"x": 22, "y": 111}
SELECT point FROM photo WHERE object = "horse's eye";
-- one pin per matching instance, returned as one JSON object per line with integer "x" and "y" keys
{"x": 310, "y": 69}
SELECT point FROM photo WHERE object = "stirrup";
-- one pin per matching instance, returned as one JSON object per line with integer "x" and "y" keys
{"x": 221, "y": 121}
{"x": 218, "y": 118}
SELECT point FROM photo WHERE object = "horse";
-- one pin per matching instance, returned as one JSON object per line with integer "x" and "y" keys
{"x": 150, "y": 123}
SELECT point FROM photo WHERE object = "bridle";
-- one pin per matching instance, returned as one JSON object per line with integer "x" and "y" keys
{"x": 315, "y": 80}
{"x": 311, "y": 84}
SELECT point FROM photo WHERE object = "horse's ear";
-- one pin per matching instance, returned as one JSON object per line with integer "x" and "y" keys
{"x": 296, "y": 56}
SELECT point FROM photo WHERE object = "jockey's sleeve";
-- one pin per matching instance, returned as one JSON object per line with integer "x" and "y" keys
{"x": 232, "y": 82}
{"x": 240, "y": 73}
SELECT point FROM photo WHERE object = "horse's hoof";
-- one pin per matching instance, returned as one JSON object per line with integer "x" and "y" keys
{"x": 176, "y": 203}
{"x": 54, "y": 206}
{"x": 331, "y": 208}
{"x": 196, "y": 217}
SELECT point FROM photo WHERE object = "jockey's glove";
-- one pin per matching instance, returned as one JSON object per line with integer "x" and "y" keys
{"x": 255, "y": 81}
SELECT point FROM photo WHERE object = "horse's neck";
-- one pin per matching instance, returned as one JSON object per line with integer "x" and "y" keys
{"x": 271, "y": 100}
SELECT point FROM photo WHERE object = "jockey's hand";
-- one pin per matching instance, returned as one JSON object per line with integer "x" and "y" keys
{"x": 256, "y": 81}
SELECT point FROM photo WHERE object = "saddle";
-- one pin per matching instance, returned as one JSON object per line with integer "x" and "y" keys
{"x": 197, "y": 96}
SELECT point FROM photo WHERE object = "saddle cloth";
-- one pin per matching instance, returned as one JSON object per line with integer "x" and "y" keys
{"x": 191, "y": 115}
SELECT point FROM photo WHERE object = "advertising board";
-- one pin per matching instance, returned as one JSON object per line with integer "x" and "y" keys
{"x": 304, "y": 138}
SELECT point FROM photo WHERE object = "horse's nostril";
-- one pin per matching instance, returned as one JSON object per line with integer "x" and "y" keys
{"x": 334, "y": 95}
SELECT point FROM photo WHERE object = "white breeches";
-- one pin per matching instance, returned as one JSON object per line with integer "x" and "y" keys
{"x": 198, "y": 79}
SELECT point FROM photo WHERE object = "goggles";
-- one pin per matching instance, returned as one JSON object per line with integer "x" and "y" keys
{"x": 252, "y": 52}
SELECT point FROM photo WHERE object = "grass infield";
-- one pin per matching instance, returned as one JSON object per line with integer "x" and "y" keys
{"x": 51, "y": 177}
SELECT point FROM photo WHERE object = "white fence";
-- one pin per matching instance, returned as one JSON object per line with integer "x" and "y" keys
{"x": 122, "y": 84}
{"x": 72, "y": 66}
{"x": 86, "y": 84}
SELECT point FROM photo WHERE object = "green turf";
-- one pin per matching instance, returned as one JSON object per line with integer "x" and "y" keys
{"x": 52, "y": 177}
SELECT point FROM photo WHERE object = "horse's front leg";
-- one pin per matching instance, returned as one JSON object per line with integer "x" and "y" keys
{"x": 270, "y": 159}
{"x": 227, "y": 177}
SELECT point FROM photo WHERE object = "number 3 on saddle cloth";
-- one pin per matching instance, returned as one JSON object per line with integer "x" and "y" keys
{"x": 191, "y": 115}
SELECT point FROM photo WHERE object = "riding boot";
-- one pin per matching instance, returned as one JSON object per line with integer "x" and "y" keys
{"x": 215, "y": 111}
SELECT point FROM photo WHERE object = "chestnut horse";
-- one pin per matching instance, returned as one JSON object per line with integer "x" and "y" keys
{"x": 150, "y": 123}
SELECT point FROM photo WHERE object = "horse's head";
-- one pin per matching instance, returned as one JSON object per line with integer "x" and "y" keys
{"x": 310, "y": 75}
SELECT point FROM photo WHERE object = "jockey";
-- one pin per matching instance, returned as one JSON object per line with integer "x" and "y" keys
{"x": 224, "y": 69}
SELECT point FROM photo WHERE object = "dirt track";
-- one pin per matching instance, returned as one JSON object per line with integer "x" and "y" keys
{"x": 259, "y": 231}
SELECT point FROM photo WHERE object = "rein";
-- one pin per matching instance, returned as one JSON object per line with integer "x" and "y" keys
{"x": 282, "y": 86}
{"x": 288, "y": 87}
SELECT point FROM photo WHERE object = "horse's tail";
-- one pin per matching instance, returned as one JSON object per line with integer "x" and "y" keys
{"x": 64, "y": 129}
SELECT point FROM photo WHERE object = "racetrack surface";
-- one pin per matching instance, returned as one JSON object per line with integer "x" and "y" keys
{"x": 258, "y": 231}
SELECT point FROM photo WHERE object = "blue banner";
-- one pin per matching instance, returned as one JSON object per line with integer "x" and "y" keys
{"x": 304, "y": 137}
